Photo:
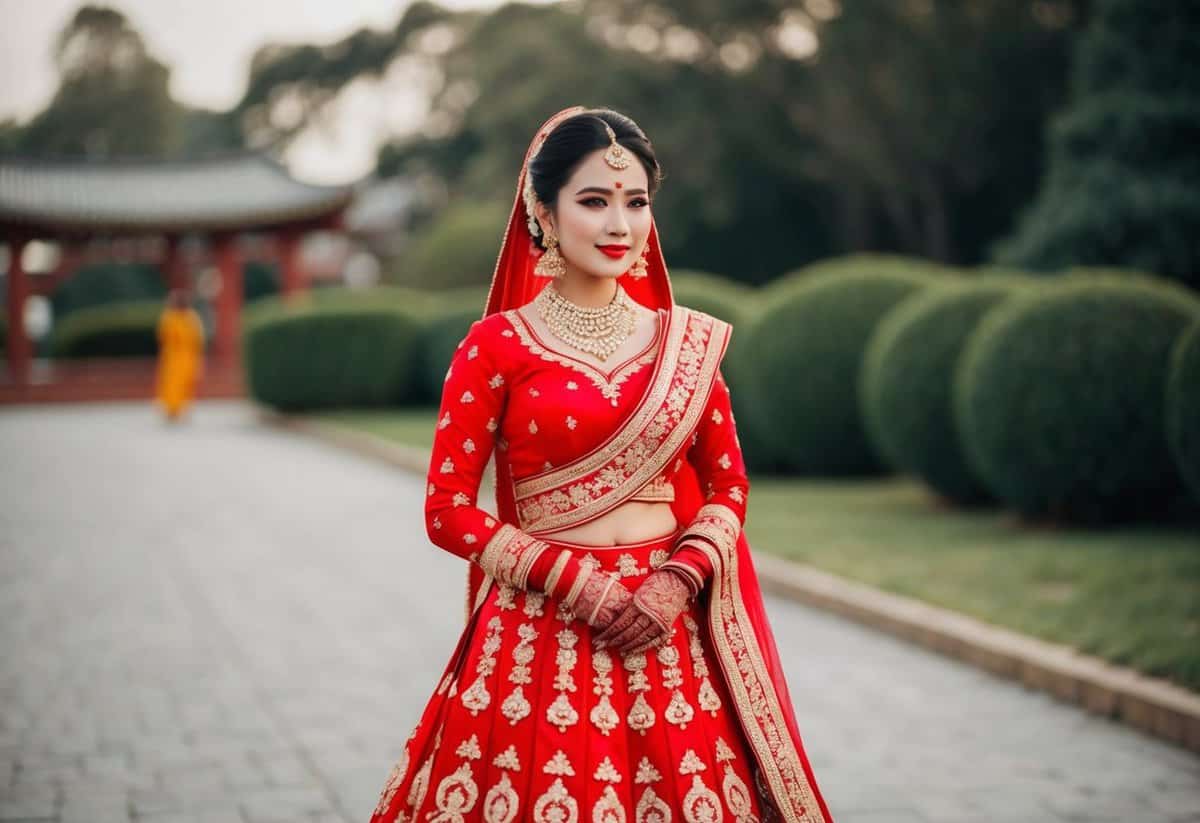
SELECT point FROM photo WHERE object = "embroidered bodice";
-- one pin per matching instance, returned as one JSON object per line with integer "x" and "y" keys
{"x": 506, "y": 389}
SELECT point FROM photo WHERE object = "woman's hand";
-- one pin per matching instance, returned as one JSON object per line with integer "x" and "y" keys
{"x": 648, "y": 618}
{"x": 603, "y": 597}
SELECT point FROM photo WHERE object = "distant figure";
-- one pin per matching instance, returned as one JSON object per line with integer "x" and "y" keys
{"x": 180, "y": 354}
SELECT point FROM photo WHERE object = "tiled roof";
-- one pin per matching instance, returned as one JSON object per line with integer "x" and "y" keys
{"x": 240, "y": 191}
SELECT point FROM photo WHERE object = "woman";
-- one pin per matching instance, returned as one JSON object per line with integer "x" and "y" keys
{"x": 616, "y": 663}
{"x": 180, "y": 355}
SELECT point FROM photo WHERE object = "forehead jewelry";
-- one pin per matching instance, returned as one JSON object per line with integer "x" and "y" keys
{"x": 616, "y": 156}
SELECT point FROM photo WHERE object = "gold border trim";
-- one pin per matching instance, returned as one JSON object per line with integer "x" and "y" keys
{"x": 754, "y": 695}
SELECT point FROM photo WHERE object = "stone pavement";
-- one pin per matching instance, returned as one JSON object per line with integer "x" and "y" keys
{"x": 228, "y": 623}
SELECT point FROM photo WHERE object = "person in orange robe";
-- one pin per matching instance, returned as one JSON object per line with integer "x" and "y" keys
{"x": 180, "y": 355}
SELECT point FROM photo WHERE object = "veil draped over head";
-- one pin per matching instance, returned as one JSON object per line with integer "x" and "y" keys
{"x": 752, "y": 665}
{"x": 513, "y": 282}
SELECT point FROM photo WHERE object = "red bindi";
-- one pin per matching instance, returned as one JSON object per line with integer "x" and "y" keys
{"x": 617, "y": 184}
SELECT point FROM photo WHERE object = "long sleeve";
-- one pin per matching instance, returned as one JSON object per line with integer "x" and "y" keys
{"x": 716, "y": 455}
{"x": 474, "y": 395}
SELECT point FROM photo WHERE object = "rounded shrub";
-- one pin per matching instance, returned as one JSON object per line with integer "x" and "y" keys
{"x": 303, "y": 358}
{"x": 711, "y": 294}
{"x": 123, "y": 329}
{"x": 907, "y": 382}
{"x": 1183, "y": 407}
{"x": 439, "y": 338}
{"x": 1059, "y": 397}
{"x": 805, "y": 352}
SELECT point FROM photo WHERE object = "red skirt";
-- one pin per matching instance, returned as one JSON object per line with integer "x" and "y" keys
{"x": 529, "y": 723}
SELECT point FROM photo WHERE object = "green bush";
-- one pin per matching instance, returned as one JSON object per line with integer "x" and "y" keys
{"x": 1183, "y": 407}
{"x": 711, "y": 294}
{"x": 104, "y": 283}
{"x": 863, "y": 263}
{"x": 459, "y": 249}
{"x": 803, "y": 360}
{"x": 303, "y": 358}
{"x": 1059, "y": 398}
{"x": 124, "y": 329}
{"x": 439, "y": 340}
{"x": 907, "y": 381}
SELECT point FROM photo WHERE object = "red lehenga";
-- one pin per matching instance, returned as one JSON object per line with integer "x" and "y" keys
{"x": 528, "y": 721}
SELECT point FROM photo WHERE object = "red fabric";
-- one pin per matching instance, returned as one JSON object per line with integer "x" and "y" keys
{"x": 514, "y": 285}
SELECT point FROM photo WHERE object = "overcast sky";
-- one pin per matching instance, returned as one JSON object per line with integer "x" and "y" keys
{"x": 208, "y": 45}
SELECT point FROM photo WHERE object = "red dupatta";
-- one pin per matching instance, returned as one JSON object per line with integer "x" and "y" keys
{"x": 688, "y": 356}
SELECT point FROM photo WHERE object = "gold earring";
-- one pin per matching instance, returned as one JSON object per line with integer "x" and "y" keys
{"x": 551, "y": 264}
{"x": 638, "y": 269}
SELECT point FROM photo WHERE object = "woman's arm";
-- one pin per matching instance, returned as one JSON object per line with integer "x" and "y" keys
{"x": 474, "y": 395}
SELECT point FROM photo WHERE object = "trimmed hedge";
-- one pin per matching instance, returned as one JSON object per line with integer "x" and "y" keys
{"x": 907, "y": 381}
{"x": 803, "y": 361}
{"x": 126, "y": 329}
{"x": 298, "y": 359}
{"x": 439, "y": 340}
{"x": 1183, "y": 407}
{"x": 711, "y": 294}
{"x": 1059, "y": 398}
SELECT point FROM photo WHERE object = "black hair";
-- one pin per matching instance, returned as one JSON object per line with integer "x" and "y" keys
{"x": 574, "y": 139}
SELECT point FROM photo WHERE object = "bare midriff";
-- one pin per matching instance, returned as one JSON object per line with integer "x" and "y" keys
{"x": 633, "y": 521}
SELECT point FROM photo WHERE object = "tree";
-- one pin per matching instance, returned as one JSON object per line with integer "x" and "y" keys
{"x": 112, "y": 99}
{"x": 1123, "y": 186}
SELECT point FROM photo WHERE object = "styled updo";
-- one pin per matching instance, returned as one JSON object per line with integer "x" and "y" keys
{"x": 569, "y": 143}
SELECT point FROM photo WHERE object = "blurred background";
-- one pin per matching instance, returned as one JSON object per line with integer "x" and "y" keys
{"x": 959, "y": 241}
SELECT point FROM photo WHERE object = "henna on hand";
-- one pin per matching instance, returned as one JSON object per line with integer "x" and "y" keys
{"x": 663, "y": 596}
{"x": 601, "y": 599}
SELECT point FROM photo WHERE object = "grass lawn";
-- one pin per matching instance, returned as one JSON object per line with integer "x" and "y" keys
{"x": 1129, "y": 595}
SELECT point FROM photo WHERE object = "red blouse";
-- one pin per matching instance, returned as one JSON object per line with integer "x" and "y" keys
{"x": 507, "y": 389}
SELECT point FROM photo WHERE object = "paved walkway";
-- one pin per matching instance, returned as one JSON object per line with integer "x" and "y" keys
{"x": 226, "y": 623}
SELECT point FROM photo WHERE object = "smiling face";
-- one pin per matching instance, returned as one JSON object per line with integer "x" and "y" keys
{"x": 600, "y": 206}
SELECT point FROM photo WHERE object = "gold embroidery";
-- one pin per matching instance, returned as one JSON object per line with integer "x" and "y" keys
{"x": 610, "y": 389}
{"x": 516, "y": 706}
{"x": 533, "y": 603}
{"x": 608, "y": 808}
{"x": 714, "y": 521}
{"x": 561, "y": 713}
{"x": 678, "y": 710}
{"x": 656, "y": 429}
{"x": 603, "y": 716}
{"x": 509, "y": 554}
{"x": 701, "y": 804}
{"x": 627, "y": 566}
{"x": 691, "y": 763}
{"x": 660, "y": 488}
{"x": 658, "y": 557}
{"x": 394, "y": 779}
{"x": 641, "y": 716}
{"x": 709, "y": 700}
{"x": 477, "y": 698}
{"x": 420, "y": 784}
{"x": 500, "y": 803}
{"x": 556, "y": 805}
{"x": 651, "y": 808}
{"x": 507, "y": 759}
{"x": 455, "y": 796}
{"x": 559, "y": 765}
{"x": 506, "y": 598}
{"x": 607, "y": 772}
{"x": 646, "y": 772}
{"x": 753, "y": 692}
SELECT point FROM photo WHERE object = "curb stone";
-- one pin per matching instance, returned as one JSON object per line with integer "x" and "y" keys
{"x": 1150, "y": 704}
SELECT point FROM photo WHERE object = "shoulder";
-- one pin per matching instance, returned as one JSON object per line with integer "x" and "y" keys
{"x": 714, "y": 324}
{"x": 488, "y": 339}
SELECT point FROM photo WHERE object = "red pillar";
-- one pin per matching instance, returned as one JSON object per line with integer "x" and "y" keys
{"x": 173, "y": 267}
{"x": 227, "y": 345}
{"x": 291, "y": 277}
{"x": 20, "y": 349}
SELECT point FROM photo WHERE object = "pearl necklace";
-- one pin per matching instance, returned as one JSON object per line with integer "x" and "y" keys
{"x": 598, "y": 330}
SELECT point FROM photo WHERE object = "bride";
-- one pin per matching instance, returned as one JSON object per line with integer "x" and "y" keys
{"x": 617, "y": 664}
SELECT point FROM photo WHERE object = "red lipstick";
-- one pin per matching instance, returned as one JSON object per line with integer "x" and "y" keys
{"x": 614, "y": 251}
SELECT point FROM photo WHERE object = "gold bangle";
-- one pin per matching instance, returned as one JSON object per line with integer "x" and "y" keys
{"x": 600, "y": 601}
{"x": 556, "y": 572}
{"x": 585, "y": 571}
